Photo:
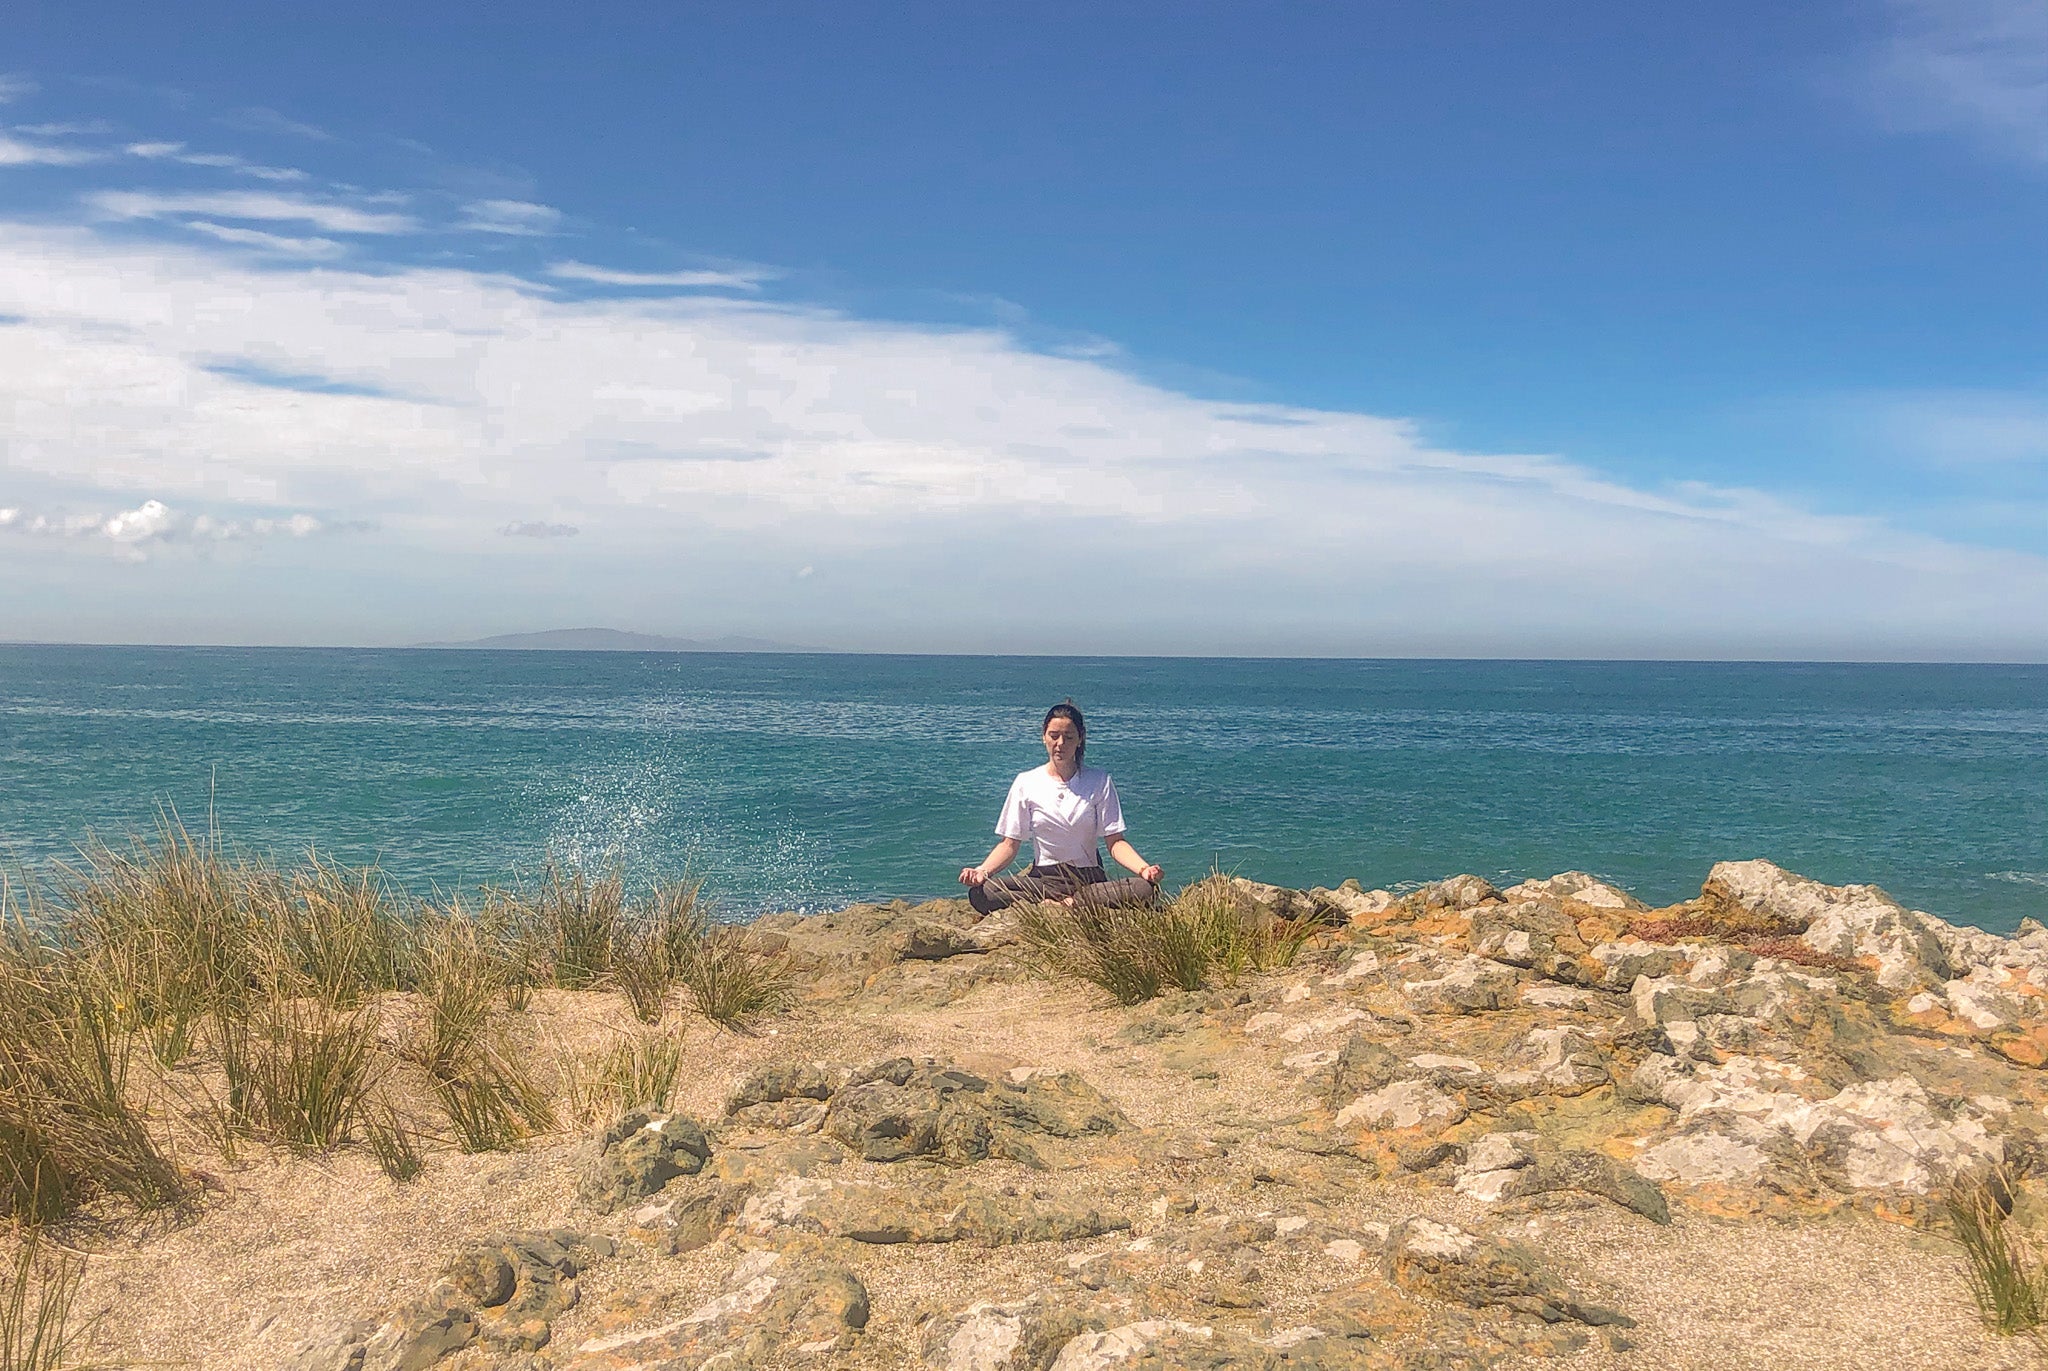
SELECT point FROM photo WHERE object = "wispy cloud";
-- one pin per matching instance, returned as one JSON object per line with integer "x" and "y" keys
{"x": 749, "y": 278}
{"x": 226, "y": 161}
{"x": 539, "y": 529}
{"x": 1976, "y": 65}
{"x": 258, "y": 205}
{"x": 283, "y": 245}
{"x": 15, "y": 87}
{"x": 19, "y": 152}
{"x": 517, "y": 218}
{"x": 257, "y": 119}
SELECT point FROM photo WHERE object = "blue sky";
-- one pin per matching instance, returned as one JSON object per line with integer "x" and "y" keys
{"x": 1444, "y": 329}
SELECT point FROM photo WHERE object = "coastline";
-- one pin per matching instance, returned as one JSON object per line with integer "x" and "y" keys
{"x": 1459, "y": 1127}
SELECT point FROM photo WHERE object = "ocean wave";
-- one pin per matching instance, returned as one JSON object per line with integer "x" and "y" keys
{"x": 2019, "y": 877}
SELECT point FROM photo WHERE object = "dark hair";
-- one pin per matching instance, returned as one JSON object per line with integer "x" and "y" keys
{"x": 1071, "y": 712}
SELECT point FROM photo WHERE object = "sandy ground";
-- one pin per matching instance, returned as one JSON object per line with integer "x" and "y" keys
{"x": 285, "y": 1245}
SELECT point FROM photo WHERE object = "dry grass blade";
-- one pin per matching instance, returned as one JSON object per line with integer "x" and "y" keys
{"x": 2006, "y": 1274}
{"x": 36, "y": 1332}
{"x": 169, "y": 929}
{"x": 642, "y": 1071}
{"x": 459, "y": 975}
{"x": 1134, "y": 952}
{"x": 732, "y": 982}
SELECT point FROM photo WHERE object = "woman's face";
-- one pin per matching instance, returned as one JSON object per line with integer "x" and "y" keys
{"x": 1062, "y": 742}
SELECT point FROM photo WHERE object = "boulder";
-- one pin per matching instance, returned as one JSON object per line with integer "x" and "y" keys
{"x": 1443, "y": 1261}
{"x": 1858, "y": 921}
{"x": 1536, "y": 934}
{"x": 898, "y": 1109}
{"x": 638, "y": 1154}
{"x": 1471, "y": 985}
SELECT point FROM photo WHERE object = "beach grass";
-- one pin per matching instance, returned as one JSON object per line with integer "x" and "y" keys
{"x": 37, "y": 1330}
{"x": 169, "y": 989}
{"x": 1210, "y": 931}
{"x": 2006, "y": 1272}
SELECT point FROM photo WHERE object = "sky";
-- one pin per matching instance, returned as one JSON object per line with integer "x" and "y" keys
{"x": 1437, "y": 329}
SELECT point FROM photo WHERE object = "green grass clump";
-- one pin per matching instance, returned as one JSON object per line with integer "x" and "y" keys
{"x": 70, "y": 1129}
{"x": 2006, "y": 1273}
{"x": 459, "y": 974}
{"x": 395, "y": 1143}
{"x": 1211, "y": 929}
{"x": 338, "y": 934}
{"x": 298, "y": 1072}
{"x": 36, "y": 1331}
{"x": 571, "y": 924}
{"x": 732, "y": 980}
{"x": 168, "y": 929}
{"x": 492, "y": 1100}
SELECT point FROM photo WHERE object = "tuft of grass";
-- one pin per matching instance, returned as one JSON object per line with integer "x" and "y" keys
{"x": 492, "y": 1101}
{"x": 1209, "y": 928}
{"x": 36, "y": 1331}
{"x": 168, "y": 928}
{"x": 394, "y": 1142}
{"x": 2005, "y": 1271}
{"x": 731, "y": 980}
{"x": 459, "y": 974}
{"x": 69, "y": 1131}
{"x": 571, "y": 924}
{"x": 298, "y": 1072}
{"x": 642, "y": 1071}
{"x": 338, "y": 934}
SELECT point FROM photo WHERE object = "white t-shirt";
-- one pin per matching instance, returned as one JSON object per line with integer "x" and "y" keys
{"x": 1066, "y": 819}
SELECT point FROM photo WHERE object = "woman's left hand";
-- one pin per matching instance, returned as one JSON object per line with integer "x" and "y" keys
{"x": 1153, "y": 873}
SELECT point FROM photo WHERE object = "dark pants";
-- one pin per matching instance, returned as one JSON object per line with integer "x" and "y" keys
{"x": 1087, "y": 884}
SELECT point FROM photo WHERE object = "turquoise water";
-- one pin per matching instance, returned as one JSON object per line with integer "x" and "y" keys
{"x": 807, "y": 781}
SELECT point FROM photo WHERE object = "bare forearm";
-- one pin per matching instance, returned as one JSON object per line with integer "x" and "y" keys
{"x": 999, "y": 857}
{"x": 1127, "y": 857}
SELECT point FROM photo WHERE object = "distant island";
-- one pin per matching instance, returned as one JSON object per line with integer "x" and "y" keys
{"x": 615, "y": 640}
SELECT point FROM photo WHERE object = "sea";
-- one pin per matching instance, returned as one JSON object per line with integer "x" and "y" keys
{"x": 808, "y": 781}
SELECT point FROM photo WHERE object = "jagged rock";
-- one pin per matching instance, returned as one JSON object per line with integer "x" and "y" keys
{"x": 1535, "y": 934}
{"x": 1574, "y": 885}
{"x": 1871, "y": 1135}
{"x": 1454, "y": 892}
{"x": 1023, "y": 1335}
{"x": 640, "y": 1153}
{"x": 1623, "y": 962}
{"x": 1447, "y": 1262}
{"x": 685, "y": 1223}
{"x": 773, "y": 1303}
{"x": 902, "y": 1108}
{"x": 1361, "y": 1067}
{"x": 1841, "y": 921}
{"x": 500, "y": 1291}
{"x": 1470, "y": 985}
{"x": 788, "y": 1081}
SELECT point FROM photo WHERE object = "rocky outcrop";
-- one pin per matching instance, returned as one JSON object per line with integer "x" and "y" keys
{"x": 772, "y": 1304}
{"x": 641, "y": 1151}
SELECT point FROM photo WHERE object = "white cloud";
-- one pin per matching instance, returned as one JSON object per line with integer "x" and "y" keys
{"x": 707, "y": 435}
{"x": 152, "y": 522}
{"x": 748, "y": 279}
{"x": 279, "y": 243}
{"x": 16, "y": 152}
{"x": 259, "y": 205}
{"x": 518, "y": 218}
{"x": 1980, "y": 65}
{"x": 226, "y": 161}
{"x": 257, "y": 119}
{"x": 14, "y": 88}
{"x": 539, "y": 529}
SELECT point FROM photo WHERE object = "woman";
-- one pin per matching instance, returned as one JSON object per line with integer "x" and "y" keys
{"x": 1065, "y": 809}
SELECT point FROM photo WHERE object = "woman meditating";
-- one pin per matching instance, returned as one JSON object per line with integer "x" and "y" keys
{"x": 1065, "y": 809}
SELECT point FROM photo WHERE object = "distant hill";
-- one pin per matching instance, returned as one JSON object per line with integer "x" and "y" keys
{"x": 615, "y": 640}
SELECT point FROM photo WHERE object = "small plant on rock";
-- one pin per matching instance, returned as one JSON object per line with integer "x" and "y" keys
{"x": 2005, "y": 1270}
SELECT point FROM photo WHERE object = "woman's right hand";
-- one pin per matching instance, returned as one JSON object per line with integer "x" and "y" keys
{"x": 971, "y": 875}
